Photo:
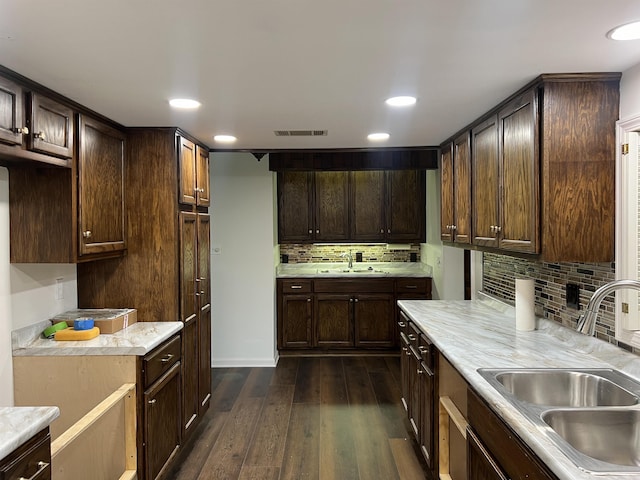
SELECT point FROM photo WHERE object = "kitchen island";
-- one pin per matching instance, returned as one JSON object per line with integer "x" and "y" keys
{"x": 482, "y": 334}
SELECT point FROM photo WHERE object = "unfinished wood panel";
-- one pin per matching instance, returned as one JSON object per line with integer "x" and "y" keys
{"x": 85, "y": 382}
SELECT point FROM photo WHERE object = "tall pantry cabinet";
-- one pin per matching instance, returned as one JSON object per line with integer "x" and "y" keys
{"x": 165, "y": 274}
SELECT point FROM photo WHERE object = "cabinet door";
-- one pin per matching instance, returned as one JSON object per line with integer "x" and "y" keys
{"x": 202, "y": 177}
{"x": 295, "y": 211}
{"x": 446, "y": 193}
{"x": 427, "y": 426}
{"x": 518, "y": 127}
{"x": 480, "y": 464}
{"x": 204, "y": 320}
{"x": 188, "y": 265}
{"x": 462, "y": 188}
{"x": 162, "y": 422}
{"x": 11, "y": 116}
{"x": 296, "y": 321}
{"x": 190, "y": 376}
{"x": 51, "y": 125}
{"x": 367, "y": 205}
{"x": 187, "y": 193}
{"x": 331, "y": 206}
{"x": 333, "y": 320}
{"x": 101, "y": 206}
{"x": 486, "y": 183}
{"x": 204, "y": 357}
{"x": 406, "y": 206}
{"x": 374, "y": 320}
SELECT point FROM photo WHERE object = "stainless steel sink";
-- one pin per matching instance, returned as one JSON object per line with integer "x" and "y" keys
{"x": 564, "y": 388}
{"x": 342, "y": 271}
{"x": 592, "y": 415}
{"x": 607, "y": 435}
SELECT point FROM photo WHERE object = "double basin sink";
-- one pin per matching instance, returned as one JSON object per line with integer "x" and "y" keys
{"x": 345, "y": 270}
{"x": 592, "y": 415}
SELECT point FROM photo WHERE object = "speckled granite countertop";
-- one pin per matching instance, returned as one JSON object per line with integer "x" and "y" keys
{"x": 137, "y": 339}
{"x": 359, "y": 269}
{"x": 481, "y": 334}
{"x": 19, "y": 424}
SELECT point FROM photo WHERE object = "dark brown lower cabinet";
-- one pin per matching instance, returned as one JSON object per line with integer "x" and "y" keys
{"x": 495, "y": 447}
{"x": 343, "y": 313}
{"x": 480, "y": 463}
{"x": 333, "y": 315}
{"x": 31, "y": 460}
{"x": 204, "y": 352}
{"x": 160, "y": 435}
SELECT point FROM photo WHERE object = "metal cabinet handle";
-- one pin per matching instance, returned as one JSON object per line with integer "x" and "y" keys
{"x": 152, "y": 401}
{"x": 356, "y": 300}
{"x": 389, "y": 231}
{"x": 420, "y": 372}
{"x": 310, "y": 231}
{"x": 351, "y": 300}
{"x": 296, "y": 287}
{"x": 382, "y": 230}
{"x": 411, "y": 337}
{"x": 454, "y": 227}
{"x": 401, "y": 324}
{"x": 23, "y": 130}
{"x": 39, "y": 135}
{"x": 318, "y": 231}
{"x": 167, "y": 357}
{"x": 308, "y": 300}
{"x": 41, "y": 467}
{"x": 412, "y": 287}
{"x": 87, "y": 234}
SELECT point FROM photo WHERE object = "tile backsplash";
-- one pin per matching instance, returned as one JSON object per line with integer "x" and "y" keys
{"x": 316, "y": 253}
{"x": 500, "y": 272}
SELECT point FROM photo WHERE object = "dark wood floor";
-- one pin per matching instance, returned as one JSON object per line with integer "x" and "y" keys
{"x": 309, "y": 418}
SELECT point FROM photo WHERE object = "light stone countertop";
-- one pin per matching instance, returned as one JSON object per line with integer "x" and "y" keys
{"x": 481, "y": 334}
{"x": 137, "y": 339}
{"x": 19, "y": 424}
{"x": 359, "y": 270}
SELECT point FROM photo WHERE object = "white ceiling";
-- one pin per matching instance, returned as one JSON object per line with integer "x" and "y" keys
{"x": 264, "y": 65}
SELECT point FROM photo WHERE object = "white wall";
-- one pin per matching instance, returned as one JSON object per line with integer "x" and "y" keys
{"x": 630, "y": 92}
{"x": 447, "y": 262}
{"x": 243, "y": 279}
{"x": 27, "y": 294}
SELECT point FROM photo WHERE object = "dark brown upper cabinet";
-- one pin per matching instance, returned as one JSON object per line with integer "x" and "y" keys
{"x": 194, "y": 173}
{"x": 73, "y": 214}
{"x": 543, "y": 170}
{"x": 34, "y": 127}
{"x": 341, "y": 206}
{"x": 455, "y": 193}
{"x": 485, "y": 184}
{"x": 101, "y": 164}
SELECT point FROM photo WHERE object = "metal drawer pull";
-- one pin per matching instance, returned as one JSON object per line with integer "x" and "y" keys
{"x": 420, "y": 372}
{"x": 168, "y": 357}
{"x": 411, "y": 286}
{"x": 152, "y": 401}
{"x": 296, "y": 287}
{"x": 41, "y": 467}
{"x": 23, "y": 130}
{"x": 401, "y": 324}
{"x": 423, "y": 349}
{"x": 411, "y": 337}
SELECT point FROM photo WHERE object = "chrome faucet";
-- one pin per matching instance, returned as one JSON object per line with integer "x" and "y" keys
{"x": 349, "y": 256}
{"x": 587, "y": 321}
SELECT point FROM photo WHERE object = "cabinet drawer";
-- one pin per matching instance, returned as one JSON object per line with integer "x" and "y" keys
{"x": 161, "y": 360}
{"x": 342, "y": 285}
{"x": 421, "y": 287}
{"x": 32, "y": 460}
{"x": 296, "y": 286}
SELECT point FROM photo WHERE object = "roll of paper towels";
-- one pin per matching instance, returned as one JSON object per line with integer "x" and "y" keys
{"x": 525, "y": 304}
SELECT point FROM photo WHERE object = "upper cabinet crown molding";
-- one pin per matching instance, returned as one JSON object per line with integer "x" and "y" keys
{"x": 542, "y": 170}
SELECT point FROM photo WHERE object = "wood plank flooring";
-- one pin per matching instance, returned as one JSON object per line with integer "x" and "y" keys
{"x": 316, "y": 418}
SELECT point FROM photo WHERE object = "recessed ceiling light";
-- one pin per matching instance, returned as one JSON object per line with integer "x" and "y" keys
{"x": 224, "y": 138}
{"x": 184, "y": 103}
{"x": 378, "y": 137}
{"x": 403, "y": 101}
{"x": 630, "y": 31}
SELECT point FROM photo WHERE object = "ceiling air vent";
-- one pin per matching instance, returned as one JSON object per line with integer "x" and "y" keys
{"x": 301, "y": 133}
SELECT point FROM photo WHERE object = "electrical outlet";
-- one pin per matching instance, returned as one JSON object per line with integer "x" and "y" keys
{"x": 573, "y": 296}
